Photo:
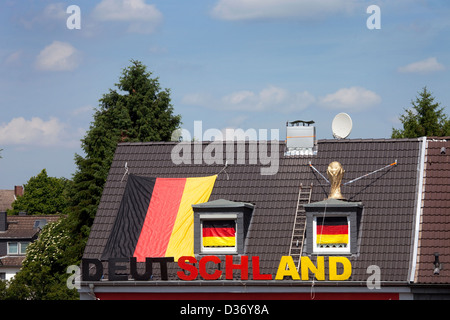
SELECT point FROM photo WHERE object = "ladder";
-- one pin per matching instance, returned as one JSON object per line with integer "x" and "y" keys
{"x": 298, "y": 230}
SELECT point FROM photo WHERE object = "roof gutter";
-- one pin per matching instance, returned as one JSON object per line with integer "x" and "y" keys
{"x": 419, "y": 205}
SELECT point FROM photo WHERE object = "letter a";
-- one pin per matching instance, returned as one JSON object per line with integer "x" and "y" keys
{"x": 74, "y": 21}
{"x": 290, "y": 271}
{"x": 374, "y": 21}
{"x": 374, "y": 280}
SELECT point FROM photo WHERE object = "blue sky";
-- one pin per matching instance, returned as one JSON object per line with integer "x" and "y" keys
{"x": 229, "y": 63}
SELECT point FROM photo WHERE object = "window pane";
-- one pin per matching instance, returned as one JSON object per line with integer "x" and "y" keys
{"x": 12, "y": 248}
{"x": 219, "y": 233}
{"x": 23, "y": 247}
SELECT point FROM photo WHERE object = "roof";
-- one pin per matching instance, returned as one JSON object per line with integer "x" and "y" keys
{"x": 6, "y": 199}
{"x": 11, "y": 261}
{"x": 22, "y": 227}
{"x": 435, "y": 223}
{"x": 334, "y": 203}
{"x": 388, "y": 197}
{"x": 222, "y": 203}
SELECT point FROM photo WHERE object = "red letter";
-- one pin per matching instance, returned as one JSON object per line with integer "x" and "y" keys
{"x": 256, "y": 272}
{"x": 202, "y": 268}
{"x": 230, "y": 266}
{"x": 183, "y": 265}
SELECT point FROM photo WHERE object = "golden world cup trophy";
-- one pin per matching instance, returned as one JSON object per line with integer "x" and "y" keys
{"x": 335, "y": 173}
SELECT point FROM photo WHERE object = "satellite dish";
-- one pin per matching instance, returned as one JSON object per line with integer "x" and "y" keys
{"x": 341, "y": 126}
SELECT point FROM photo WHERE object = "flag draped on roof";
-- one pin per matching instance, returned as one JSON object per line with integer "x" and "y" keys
{"x": 155, "y": 217}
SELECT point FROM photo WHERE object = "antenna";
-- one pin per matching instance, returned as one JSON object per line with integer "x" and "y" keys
{"x": 341, "y": 126}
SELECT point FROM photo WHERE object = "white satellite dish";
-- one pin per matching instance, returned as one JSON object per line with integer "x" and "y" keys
{"x": 341, "y": 126}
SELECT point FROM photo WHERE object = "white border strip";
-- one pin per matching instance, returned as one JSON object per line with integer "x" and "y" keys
{"x": 418, "y": 209}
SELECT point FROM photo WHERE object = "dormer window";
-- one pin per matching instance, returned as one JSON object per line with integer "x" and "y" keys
{"x": 332, "y": 227}
{"x": 221, "y": 226}
{"x": 331, "y": 234}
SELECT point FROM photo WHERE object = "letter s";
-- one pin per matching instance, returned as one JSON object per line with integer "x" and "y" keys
{"x": 188, "y": 267}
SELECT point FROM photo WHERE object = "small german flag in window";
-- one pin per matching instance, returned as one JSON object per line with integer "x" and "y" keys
{"x": 219, "y": 233}
{"x": 332, "y": 231}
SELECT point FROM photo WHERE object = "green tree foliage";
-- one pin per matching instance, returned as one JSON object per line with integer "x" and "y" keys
{"x": 137, "y": 110}
{"x": 43, "y": 195}
{"x": 425, "y": 118}
{"x": 42, "y": 276}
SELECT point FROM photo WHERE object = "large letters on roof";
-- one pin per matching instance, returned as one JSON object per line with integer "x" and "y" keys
{"x": 155, "y": 217}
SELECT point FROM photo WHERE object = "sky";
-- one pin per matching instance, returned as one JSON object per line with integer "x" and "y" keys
{"x": 240, "y": 64}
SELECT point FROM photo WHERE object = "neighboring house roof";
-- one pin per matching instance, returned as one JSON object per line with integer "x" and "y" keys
{"x": 388, "y": 196}
{"x": 6, "y": 199}
{"x": 11, "y": 261}
{"x": 22, "y": 227}
{"x": 435, "y": 223}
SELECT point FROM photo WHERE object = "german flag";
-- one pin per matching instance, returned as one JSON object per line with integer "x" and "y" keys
{"x": 332, "y": 230}
{"x": 219, "y": 233}
{"x": 155, "y": 217}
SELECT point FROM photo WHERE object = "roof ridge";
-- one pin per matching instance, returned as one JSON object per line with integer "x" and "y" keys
{"x": 357, "y": 140}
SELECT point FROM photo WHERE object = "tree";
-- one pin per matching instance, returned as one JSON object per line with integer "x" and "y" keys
{"x": 138, "y": 110}
{"x": 43, "y": 195}
{"x": 426, "y": 118}
{"x": 42, "y": 276}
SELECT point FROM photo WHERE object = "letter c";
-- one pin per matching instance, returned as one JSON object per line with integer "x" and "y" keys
{"x": 202, "y": 268}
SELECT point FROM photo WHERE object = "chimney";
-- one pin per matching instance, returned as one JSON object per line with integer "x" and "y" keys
{"x": 300, "y": 138}
{"x": 3, "y": 223}
{"x": 18, "y": 191}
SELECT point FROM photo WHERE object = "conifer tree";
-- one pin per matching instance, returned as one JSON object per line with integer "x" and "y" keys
{"x": 426, "y": 118}
{"x": 138, "y": 110}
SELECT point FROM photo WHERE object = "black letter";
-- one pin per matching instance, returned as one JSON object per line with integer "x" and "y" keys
{"x": 112, "y": 268}
{"x": 148, "y": 269}
{"x": 163, "y": 265}
{"x": 85, "y": 268}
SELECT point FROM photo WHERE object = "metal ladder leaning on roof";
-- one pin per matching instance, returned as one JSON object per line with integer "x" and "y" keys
{"x": 298, "y": 230}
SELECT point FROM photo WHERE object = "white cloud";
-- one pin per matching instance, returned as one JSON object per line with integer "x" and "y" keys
{"x": 53, "y": 13}
{"x": 14, "y": 58}
{"x": 276, "y": 99}
{"x": 87, "y": 109}
{"x": 58, "y": 56}
{"x": 271, "y": 98}
{"x": 36, "y": 132}
{"x": 142, "y": 17}
{"x": 351, "y": 99}
{"x": 280, "y": 9}
{"x": 424, "y": 66}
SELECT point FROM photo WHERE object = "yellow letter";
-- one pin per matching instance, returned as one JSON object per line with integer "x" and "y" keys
{"x": 332, "y": 261}
{"x": 291, "y": 271}
{"x": 307, "y": 265}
